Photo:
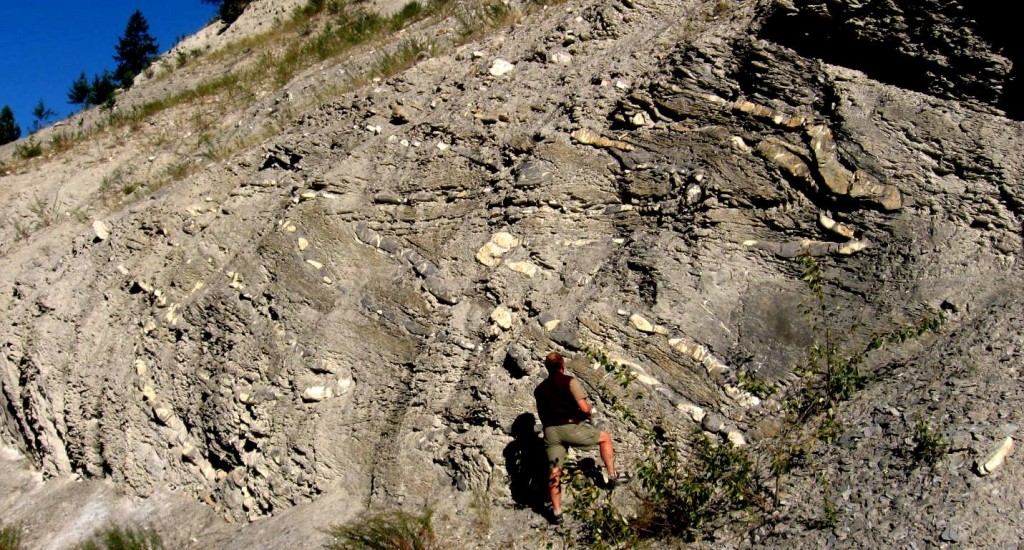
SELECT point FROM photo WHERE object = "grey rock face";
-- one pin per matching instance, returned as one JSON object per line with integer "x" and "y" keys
{"x": 353, "y": 320}
{"x": 950, "y": 49}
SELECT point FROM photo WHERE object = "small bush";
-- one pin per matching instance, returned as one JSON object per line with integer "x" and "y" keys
{"x": 11, "y": 536}
{"x": 754, "y": 385}
{"x": 929, "y": 445}
{"x": 395, "y": 530}
{"x": 30, "y": 149}
{"x": 410, "y": 12}
{"x": 600, "y": 523}
{"x": 61, "y": 142}
{"x": 404, "y": 56}
{"x": 476, "y": 20}
{"x": 830, "y": 428}
{"x": 718, "y": 479}
{"x": 124, "y": 538}
{"x": 829, "y": 512}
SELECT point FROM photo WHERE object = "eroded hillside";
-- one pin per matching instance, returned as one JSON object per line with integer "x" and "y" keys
{"x": 332, "y": 292}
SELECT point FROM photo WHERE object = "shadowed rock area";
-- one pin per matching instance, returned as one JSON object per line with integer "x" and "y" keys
{"x": 350, "y": 312}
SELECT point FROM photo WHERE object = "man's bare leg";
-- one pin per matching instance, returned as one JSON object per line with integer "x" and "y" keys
{"x": 555, "y": 488}
{"x": 604, "y": 442}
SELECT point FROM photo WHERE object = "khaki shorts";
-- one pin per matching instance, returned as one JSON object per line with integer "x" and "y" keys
{"x": 560, "y": 438}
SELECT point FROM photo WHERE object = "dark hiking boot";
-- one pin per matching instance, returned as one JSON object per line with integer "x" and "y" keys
{"x": 620, "y": 478}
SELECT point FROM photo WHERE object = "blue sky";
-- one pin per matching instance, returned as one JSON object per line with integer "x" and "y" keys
{"x": 44, "y": 46}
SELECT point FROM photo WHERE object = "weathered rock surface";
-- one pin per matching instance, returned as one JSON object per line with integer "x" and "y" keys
{"x": 338, "y": 318}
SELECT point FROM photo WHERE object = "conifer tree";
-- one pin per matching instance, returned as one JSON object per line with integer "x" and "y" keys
{"x": 230, "y": 10}
{"x": 42, "y": 115}
{"x": 9, "y": 129}
{"x": 79, "y": 92}
{"x": 101, "y": 92}
{"x": 135, "y": 50}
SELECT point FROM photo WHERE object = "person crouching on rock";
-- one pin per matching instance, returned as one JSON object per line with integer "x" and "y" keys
{"x": 563, "y": 408}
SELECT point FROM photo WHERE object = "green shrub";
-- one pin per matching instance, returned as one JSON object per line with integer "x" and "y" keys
{"x": 475, "y": 20}
{"x": 394, "y": 530}
{"x": 600, "y": 524}
{"x": 718, "y": 480}
{"x": 754, "y": 385}
{"x": 410, "y": 12}
{"x": 404, "y": 56}
{"x": 11, "y": 536}
{"x": 929, "y": 445}
{"x": 124, "y": 538}
{"x": 29, "y": 149}
{"x": 61, "y": 142}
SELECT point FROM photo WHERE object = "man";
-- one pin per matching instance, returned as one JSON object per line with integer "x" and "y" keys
{"x": 562, "y": 408}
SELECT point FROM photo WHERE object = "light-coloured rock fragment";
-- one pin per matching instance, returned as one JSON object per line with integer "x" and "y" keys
{"x": 826, "y": 221}
{"x": 740, "y": 145}
{"x": 149, "y": 327}
{"x": 695, "y": 412}
{"x": 344, "y": 385}
{"x": 140, "y": 367}
{"x": 490, "y": 254}
{"x": 317, "y": 393}
{"x": 502, "y": 317}
{"x": 315, "y": 264}
{"x": 853, "y": 247}
{"x": 587, "y": 137}
{"x": 505, "y": 240}
{"x": 189, "y": 452}
{"x": 207, "y": 470}
{"x": 551, "y": 324}
{"x": 641, "y": 324}
{"x": 560, "y": 58}
{"x": 148, "y": 393}
{"x": 526, "y": 268}
{"x": 996, "y": 459}
{"x": 744, "y": 398}
{"x": 236, "y": 282}
{"x": 122, "y": 269}
{"x": 646, "y": 379}
{"x": 736, "y": 438}
{"x": 640, "y": 119}
{"x": 172, "y": 314}
{"x": 500, "y": 67}
{"x": 700, "y": 354}
{"x": 303, "y": 243}
{"x": 163, "y": 413}
{"x": 101, "y": 230}
{"x": 694, "y": 194}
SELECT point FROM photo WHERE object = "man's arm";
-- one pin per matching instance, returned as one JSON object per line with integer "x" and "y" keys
{"x": 581, "y": 400}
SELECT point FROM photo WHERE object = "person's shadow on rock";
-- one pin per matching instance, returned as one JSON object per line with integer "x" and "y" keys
{"x": 527, "y": 464}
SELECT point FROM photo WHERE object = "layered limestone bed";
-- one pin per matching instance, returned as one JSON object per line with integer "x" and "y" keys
{"x": 352, "y": 313}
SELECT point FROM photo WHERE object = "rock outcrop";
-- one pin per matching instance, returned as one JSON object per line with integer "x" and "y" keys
{"x": 352, "y": 312}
